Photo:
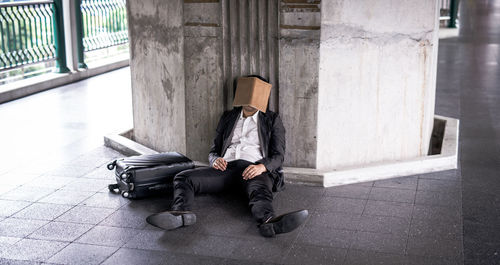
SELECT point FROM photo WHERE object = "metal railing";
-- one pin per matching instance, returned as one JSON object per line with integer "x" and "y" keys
{"x": 104, "y": 23}
{"x": 31, "y": 33}
{"x": 449, "y": 12}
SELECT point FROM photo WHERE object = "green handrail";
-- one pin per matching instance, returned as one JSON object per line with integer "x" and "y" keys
{"x": 31, "y": 32}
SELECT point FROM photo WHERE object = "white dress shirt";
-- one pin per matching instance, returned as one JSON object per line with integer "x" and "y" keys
{"x": 245, "y": 143}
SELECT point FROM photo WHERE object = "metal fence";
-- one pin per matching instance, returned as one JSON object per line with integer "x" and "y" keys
{"x": 29, "y": 33}
{"x": 104, "y": 23}
{"x": 32, "y": 31}
{"x": 448, "y": 12}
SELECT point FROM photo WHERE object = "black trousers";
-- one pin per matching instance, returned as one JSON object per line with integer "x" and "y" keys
{"x": 209, "y": 180}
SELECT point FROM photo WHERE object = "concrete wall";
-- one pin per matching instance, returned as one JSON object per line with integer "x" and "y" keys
{"x": 352, "y": 80}
{"x": 376, "y": 81}
{"x": 157, "y": 72}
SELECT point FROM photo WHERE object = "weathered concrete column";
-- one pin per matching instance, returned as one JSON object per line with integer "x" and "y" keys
{"x": 354, "y": 81}
{"x": 377, "y": 75}
{"x": 157, "y": 69}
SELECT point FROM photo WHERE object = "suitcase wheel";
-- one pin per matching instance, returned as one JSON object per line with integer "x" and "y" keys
{"x": 113, "y": 188}
{"x": 125, "y": 194}
{"x": 111, "y": 165}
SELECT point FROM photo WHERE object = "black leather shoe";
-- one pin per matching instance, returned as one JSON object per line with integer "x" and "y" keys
{"x": 283, "y": 224}
{"x": 170, "y": 220}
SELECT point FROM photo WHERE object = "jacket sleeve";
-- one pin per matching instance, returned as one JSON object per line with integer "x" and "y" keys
{"x": 276, "y": 152}
{"x": 216, "y": 148}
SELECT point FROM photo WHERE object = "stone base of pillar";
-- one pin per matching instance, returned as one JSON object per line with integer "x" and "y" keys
{"x": 443, "y": 157}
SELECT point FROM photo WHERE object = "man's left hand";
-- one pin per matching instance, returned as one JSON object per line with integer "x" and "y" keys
{"x": 253, "y": 170}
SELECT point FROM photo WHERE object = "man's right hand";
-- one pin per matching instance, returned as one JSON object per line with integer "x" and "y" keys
{"x": 220, "y": 164}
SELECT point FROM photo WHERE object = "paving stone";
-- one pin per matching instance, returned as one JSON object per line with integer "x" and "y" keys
{"x": 106, "y": 200}
{"x": 51, "y": 182}
{"x": 326, "y": 237}
{"x": 71, "y": 171}
{"x": 42, "y": 211}
{"x": 345, "y": 205}
{"x": 67, "y": 197}
{"x": 6, "y": 188}
{"x": 209, "y": 245}
{"x": 60, "y": 231}
{"x": 262, "y": 249}
{"x": 33, "y": 250}
{"x": 26, "y": 193}
{"x": 398, "y": 183}
{"x": 82, "y": 254}
{"x": 366, "y": 257}
{"x": 383, "y": 208}
{"x": 17, "y": 262}
{"x": 355, "y": 191}
{"x": 440, "y": 248}
{"x": 419, "y": 260}
{"x": 17, "y": 179}
{"x": 449, "y": 199}
{"x": 8, "y": 208}
{"x": 437, "y": 229}
{"x": 84, "y": 184}
{"x": 225, "y": 222}
{"x": 343, "y": 221}
{"x": 126, "y": 218}
{"x": 145, "y": 257}
{"x": 438, "y": 185}
{"x": 436, "y": 212}
{"x": 150, "y": 205}
{"x": 85, "y": 215}
{"x": 442, "y": 175}
{"x": 101, "y": 173}
{"x": 306, "y": 254}
{"x": 383, "y": 224}
{"x": 15, "y": 227}
{"x": 171, "y": 241}
{"x": 108, "y": 236}
{"x": 386, "y": 243}
{"x": 391, "y": 194}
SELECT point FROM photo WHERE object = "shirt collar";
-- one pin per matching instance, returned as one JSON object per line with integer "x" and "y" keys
{"x": 255, "y": 116}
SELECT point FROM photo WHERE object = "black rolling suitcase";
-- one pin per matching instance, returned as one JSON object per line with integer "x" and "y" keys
{"x": 146, "y": 175}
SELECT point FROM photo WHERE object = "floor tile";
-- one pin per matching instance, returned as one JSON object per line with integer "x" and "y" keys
{"x": 435, "y": 228}
{"x": 398, "y": 183}
{"x": 126, "y": 218}
{"x": 383, "y": 208}
{"x": 344, "y": 205}
{"x": 67, "y": 197}
{"x": 85, "y": 215}
{"x": 262, "y": 249}
{"x": 82, "y": 254}
{"x": 108, "y": 236}
{"x": 442, "y": 175}
{"x": 326, "y": 237}
{"x": 436, "y": 212}
{"x": 15, "y": 227}
{"x": 448, "y": 199}
{"x": 71, "y": 171}
{"x": 51, "y": 182}
{"x": 34, "y": 250}
{"x": 26, "y": 193}
{"x": 8, "y": 208}
{"x": 60, "y": 231}
{"x": 106, "y": 200}
{"x": 43, "y": 211}
{"x": 306, "y": 254}
{"x": 440, "y": 248}
{"x": 148, "y": 257}
{"x": 343, "y": 221}
{"x": 392, "y": 194}
{"x": 349, "y": 191}
{"x": 84, "y": 184}
{"x": 101, "y": 173}
{"x": 171, "y": 241}
{"x": 438, "y": 185}
{"x": 386, "y": 243}
{"x": 366, "y": 257}
{"x": 383, "y": 224}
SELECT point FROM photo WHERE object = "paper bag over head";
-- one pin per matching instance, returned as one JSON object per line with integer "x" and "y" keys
{"x": 252, "y": 91}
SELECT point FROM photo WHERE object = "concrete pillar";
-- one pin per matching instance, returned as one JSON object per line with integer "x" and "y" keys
{"x": 157, "y": 72}
{"x": 352, "y": 80}
{"x": 377, "y": 75}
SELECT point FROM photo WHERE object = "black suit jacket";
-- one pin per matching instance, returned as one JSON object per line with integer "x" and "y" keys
{"x": 271, "y": 137}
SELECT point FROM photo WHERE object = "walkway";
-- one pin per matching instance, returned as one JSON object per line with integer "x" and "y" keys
{"x": 55, "y": 208}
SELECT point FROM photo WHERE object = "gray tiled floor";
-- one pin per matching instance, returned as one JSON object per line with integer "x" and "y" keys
{"x": 56, "y": 209}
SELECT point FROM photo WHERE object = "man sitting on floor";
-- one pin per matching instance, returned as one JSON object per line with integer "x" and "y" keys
{"x": 247, "y": 153}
